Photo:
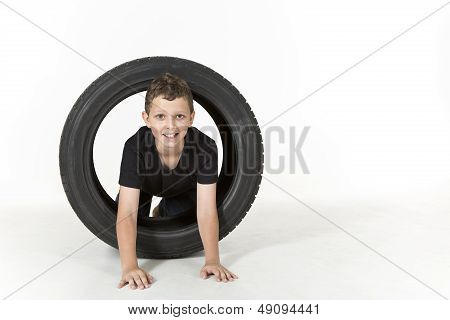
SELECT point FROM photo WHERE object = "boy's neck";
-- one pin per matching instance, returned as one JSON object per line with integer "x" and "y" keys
{"x": 169, "y": 153}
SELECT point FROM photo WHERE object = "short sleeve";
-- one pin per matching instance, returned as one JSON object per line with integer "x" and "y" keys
{"x": 129, "y": 167}
{"x": 207, "y": 172}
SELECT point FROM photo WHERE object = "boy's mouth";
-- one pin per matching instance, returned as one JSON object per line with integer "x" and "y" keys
{"x": 171, "y": 136}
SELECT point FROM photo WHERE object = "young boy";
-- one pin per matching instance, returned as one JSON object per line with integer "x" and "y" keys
{"x": 171, "y": 159}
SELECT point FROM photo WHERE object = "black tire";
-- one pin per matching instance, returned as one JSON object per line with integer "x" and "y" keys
{"x": 242, "y": 165}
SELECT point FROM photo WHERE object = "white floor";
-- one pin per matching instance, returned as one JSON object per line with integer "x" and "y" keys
{"x": 377, "y": 247}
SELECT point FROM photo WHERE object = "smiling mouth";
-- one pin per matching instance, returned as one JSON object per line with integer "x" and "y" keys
{"x": 173, "y": 135}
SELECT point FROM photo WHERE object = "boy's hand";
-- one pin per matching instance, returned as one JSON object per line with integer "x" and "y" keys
{"x": 136, "y": 278}
{"x": 221, "y": 273}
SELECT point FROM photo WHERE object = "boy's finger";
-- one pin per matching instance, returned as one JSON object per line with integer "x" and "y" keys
{"x": 150, "y": 278}
{"x": 230, "y": 274}
{"x": 229, "y": 277}
{"x": 144, "y": 279}
{"x": 220, "y": 275}
{"x": 138, "y": 281}
{"x": 223, "y": 276}
{"x": 131, "y": 283}
{"x": 121, "y": 284}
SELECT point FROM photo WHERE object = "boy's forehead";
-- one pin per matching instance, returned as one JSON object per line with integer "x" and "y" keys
{"x": 176, "y": 105}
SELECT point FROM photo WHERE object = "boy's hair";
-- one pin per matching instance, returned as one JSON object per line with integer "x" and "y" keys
{"x": 170, "y": 87}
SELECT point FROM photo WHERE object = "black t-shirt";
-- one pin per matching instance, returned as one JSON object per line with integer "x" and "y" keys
{"x": 142, "y": 169}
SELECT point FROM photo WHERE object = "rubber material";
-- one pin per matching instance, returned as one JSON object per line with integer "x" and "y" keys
{"x": 240, "y": 174}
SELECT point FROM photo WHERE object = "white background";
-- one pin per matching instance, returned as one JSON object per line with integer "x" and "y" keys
{"x": 369, "y": 221}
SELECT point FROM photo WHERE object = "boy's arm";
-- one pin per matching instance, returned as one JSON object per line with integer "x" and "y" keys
{"x": 126, "y": 230}
{"x": 126, "y": 226}
{"x": 208, "y": 224}
{"x": 208, "y": 221}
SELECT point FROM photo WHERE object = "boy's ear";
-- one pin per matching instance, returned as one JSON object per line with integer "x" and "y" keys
{"x": 145, "y": 116}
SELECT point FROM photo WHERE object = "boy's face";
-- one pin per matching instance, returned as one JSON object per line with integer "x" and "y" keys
{"x": 169, "y": 120}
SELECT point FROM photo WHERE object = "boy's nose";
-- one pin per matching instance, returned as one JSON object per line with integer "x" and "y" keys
{"x": 170, "y": 124}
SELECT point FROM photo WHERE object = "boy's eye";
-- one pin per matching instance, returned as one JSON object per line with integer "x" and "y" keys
{"x": 160, "y": 116}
